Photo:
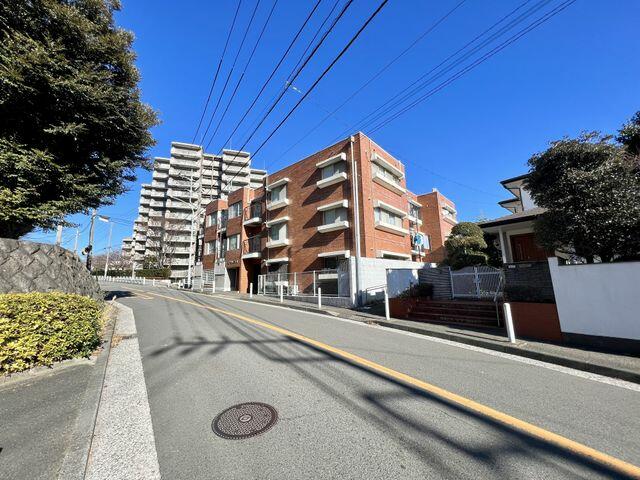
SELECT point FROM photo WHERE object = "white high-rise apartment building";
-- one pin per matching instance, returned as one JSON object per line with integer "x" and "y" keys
{"x": 171, "y": 210}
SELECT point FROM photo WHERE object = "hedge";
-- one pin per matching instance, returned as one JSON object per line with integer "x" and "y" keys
{"x": 42, "y": 328}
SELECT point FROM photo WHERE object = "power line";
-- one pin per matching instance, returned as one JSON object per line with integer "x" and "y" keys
{"x": 479, "y": 61}
{"x": 380, "y": 72}
{"x": 322, "y": 75}
{"x": 264, "y": 85}
{"x": 215, "y": 77}
{"x": 226, "y": 83}
{"x": 335, "y": 5}
{"x": 335, "y": 60}
{"x": 292, "y": 78}
{"x": 367, "y": 118}
{"x": 224, "y": 113}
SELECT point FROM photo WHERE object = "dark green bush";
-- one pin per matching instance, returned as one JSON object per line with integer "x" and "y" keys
{"x": 422, "y": 290}
{"x": 42, "y": 328}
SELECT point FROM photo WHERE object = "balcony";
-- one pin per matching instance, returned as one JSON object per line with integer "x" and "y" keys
{"x": 389, "y": 184}
{"x": 252, "y": 247}
{"x": 332, "y": 180}
{"x": 278, "y": 204}
{"x": 253, "y": 214}
{"x": 391, "y": 228}
{"x": 278, "y": 243}
{"x": 332, "y": 227}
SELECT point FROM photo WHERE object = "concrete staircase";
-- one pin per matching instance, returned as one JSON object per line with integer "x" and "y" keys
{"x": 459, "y": 312}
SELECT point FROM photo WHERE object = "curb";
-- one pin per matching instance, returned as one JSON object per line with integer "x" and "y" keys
{"x": 77, "y": 455}
{"x": 603, "y": 370}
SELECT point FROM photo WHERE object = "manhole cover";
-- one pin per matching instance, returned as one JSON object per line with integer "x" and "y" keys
{"x": 244, "y": 420}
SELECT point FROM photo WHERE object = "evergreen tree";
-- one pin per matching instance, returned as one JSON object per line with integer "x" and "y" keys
{"x": 72, "y": 126}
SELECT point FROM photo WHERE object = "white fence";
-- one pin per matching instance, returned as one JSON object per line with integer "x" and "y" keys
{"x": 476, "y": 282}
{"x": 598, "y": 299}
{"x": 334, "y": 283}
{"x": 135, "y": 281}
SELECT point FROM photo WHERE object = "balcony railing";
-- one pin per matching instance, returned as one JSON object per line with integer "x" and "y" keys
{"x": 253, "y": 214}
{"x": 252, "y": 245}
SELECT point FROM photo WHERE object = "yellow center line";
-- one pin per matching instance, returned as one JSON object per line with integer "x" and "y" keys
{"x": 534, "y": 431}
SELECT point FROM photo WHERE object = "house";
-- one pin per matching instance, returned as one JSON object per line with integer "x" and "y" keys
{"x": 514, "y": 232}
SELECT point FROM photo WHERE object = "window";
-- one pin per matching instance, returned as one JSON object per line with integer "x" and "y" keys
{"x": 233, "y": 242}
{"x": 212, "y": 219}
{"x": 278, "y": 194}
{"x": 334, "y": 215}
{"x": 223, "y": 218}
{"x": 387, "y": 217}
{"x": 333, "y": 169}
{"x": 385, "y": 173}
{"x": 278, "y": 232}
{"x": 235, "y": 209}
{"x": 331, "y": 263}
{"x": 414, "y": 211}
{"x": 282, "y": 267}
{"x": 448, "y": 212}
{"x": 210, "y": 248}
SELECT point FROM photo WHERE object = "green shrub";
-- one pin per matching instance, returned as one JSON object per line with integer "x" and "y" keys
{"x": 420, "y": 290}
{"x": 42, "y": 328}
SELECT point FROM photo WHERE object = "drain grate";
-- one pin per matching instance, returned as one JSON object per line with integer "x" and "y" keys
{"x": 244, "y": 421}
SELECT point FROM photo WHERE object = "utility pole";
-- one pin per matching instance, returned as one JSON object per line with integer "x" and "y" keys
{"x": 59, "y": 236}
{"x": 89, "y": 247}
{"x": 75, "y": 244}
{"x": 106, "y": 265}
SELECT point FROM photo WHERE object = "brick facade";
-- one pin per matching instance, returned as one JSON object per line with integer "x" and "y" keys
{"x": 437, "y": 223}
{"x": 310, "y": 199}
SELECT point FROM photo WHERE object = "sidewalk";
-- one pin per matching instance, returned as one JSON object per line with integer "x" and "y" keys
{"x": 610, "y": 365}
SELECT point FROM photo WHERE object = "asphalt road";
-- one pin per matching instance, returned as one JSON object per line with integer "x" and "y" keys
{"x": 344, "y": 418}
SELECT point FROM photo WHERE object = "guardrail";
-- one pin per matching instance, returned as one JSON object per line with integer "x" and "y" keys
{"x": 135, "y": 281}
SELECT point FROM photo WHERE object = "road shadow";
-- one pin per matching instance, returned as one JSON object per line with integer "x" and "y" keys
{"x": 425, "y": 439}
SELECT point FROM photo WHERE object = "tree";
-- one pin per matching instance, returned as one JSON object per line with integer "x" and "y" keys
{"x": 72, "y": 126}
{"x": 629, "y": 135}
{"x": 591, "y": 189}
{"x": 465, "y": 246}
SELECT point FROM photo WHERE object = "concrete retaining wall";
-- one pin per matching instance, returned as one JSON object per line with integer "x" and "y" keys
{"x": 40, "y": 267}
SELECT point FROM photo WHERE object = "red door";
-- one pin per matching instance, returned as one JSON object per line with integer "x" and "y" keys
{"x": 525, "y": 248}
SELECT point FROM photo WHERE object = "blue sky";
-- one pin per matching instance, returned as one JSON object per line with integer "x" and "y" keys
{"x": 576, "y": 72}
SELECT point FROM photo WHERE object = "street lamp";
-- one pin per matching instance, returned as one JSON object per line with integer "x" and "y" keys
{"x": 106, "y": 219}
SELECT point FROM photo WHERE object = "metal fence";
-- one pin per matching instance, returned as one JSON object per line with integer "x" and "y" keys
{"x": 303, "y": 283}
{"x": 477, "y": 282}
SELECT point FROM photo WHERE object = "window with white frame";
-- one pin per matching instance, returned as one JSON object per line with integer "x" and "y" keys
{"x": 235, "y": 209}
{"x": 212, "y": 219}
{"x": 414, "y": 210}
{"x": 387, "y": 217}
{"x": 448, "y": 212}
{"x": 333, "y": 169}
{"x": 210, "y": 248}
{"x": 385, "y": 173}
{"x": 278, "y": 194}
{"x": 233, "y": 242}
{"x": 334, "y": 215}
{"x": 278, "y": 232}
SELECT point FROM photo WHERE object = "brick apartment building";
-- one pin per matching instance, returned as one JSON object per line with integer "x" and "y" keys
{"x": 308, "y": 216}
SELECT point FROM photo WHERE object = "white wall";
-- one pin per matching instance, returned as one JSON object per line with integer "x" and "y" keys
{"x": 600, "y": 299}
{"x": 373, "y": 273}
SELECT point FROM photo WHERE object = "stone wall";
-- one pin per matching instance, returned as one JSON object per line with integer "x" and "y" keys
{"x": 39, "y": 267}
